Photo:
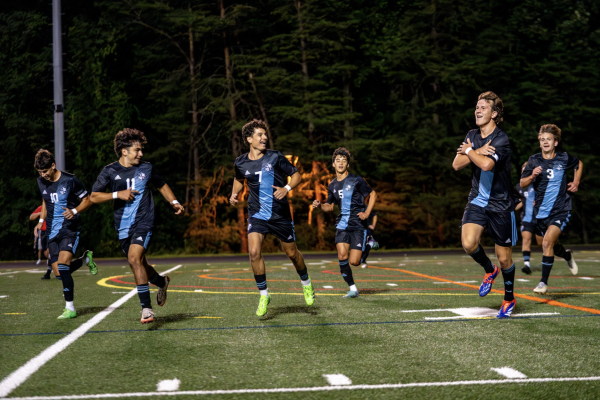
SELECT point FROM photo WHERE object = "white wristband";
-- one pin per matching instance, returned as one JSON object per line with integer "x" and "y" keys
{"x": 115, "y": 194}
{"x": 174, "y": 202}
{"x": 288, "y": 187}
{"x": 74, "y": 211}
{"x": 468, "y": 150}
{"x": 41, "y": 220}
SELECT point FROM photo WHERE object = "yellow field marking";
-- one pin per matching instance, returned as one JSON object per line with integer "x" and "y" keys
{"x": 210, "y": 317}
{"x": 15, "y": 313}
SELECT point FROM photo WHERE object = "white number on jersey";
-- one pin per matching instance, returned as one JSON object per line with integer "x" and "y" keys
{"x": 341, "y": 194}
{"x": 550, "y": 173}
{"x": 132, "y": 181}
{"x": 54, "y": 197}
{"x": 259, "y": 173}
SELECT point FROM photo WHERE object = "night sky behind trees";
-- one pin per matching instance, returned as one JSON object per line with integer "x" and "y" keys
{"x": 395, "y": 82}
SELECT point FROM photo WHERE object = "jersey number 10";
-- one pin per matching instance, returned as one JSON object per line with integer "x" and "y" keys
{"x": 54, "y": 197}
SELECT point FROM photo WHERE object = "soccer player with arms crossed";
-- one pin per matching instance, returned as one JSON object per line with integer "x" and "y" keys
{"x": 528, "y": 223}
{"x": 350, "y": 193}
{"x": 64, "y": 198}
{"x": 491, "y": 203}
{"x": 268, "y": 210}
{"x": 547, "y": 172}
{"x": 128, "y": 181}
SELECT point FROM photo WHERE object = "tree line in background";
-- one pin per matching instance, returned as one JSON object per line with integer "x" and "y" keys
{"x": 394, "y": 81}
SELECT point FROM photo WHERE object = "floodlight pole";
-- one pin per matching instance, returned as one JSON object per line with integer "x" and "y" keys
{"x": 59, "y": 119}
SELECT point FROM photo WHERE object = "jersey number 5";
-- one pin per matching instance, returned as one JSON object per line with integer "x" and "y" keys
{"x": 54, "y": 197}
{"x": 550, "y": 173}
{"x": 341, "y": 194}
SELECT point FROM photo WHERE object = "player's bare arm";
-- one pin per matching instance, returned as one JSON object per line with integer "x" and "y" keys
{"x": 84, "y": 205}
{"x": 527, "y": 180}
{"x": 574, "y": 186}
{"x": 35, "y": 216}
{"x": 126, "y": 195}
{"x": 280, "y": 192}
{"x": 42, "y": 218}
{"x": 374, "y": 224}
{"x": 483, "y": 162}
{"x": 327, "y": 207}
{"x": 168, "y": 194}
{"x": 365, "y": 214}
{"x": 237, "y": 188}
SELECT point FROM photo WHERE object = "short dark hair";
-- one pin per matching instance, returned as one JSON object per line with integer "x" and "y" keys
{"x": 43, "y": 159}
{"x": 341, "y": 151}
{"x": 551, "y": 129}
{"x": 496, "y": 104}
{"x": 248, "y": 129}
{"x": 126, "y": 138}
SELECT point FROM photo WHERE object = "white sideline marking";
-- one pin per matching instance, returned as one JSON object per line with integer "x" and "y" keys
{"x": 374, "y": 262}
{"x": 490, "y": 316}
{"x": 447, "y": 283}
{"x": 198, "y": 290}
{"x": 327, "y": 287}
{"x": 523, "y": 280}
{"x": 587, "y": 278}
{"x": 120, "y": 292}
{"x": 391, "y": 284}
{"x": 510, "y": 373}
{"x": 310, "y": 389}
{"x": 283, "y": 267}
{"x": 14, "y": 380}
{"x": 3, "y": 296}
{"x": 27, "y": 271}
{"x": 168, "y": 385}
{"x": 319, "y": 263}
{"x": 337, "y": 379}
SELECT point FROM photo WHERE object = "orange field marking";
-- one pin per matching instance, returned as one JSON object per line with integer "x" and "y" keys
{"x": 521, "y": 296}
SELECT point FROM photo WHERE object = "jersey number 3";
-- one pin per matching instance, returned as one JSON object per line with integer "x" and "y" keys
{"x": 550, "y": 173}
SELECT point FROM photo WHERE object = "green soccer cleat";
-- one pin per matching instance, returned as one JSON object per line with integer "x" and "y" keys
{"x": 67, "y": 314}
{"x": 90, "y": 262}
{"x": 262, "y": 305}
{"x": 309, "y": 294}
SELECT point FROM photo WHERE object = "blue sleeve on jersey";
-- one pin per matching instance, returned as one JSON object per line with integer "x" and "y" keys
{"x": 155, "y": 179}
{"x": 285, "y": 165}
{"x": 572, "y": 162}
{"x": 103, "y": 182}
{"x": 78, "y": 188}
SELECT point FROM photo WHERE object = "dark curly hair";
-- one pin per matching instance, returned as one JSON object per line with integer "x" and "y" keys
{"x": 248, "y": 129}
{"x": 126, "y": 138}
{"x": 496, "y": 104}
{"x": 341, "y": 151}
{"x": 43, "y": 159}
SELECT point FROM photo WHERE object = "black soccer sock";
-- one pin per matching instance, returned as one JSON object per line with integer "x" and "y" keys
{"x": 547, "y": 262}
{"x": 346, "y": 272}
{"x": 261, "y": 281}
{"x": 509, "y": 279}
{"x": 365, "y": 254}
{"x": 526, "y": 256}
{"x": 158, "y": 280}
{"x": 48, "y": 267}
{"x": 76, "y": 264}
{"x": 303, "y": 274}
{"x": 144, "y": 295}
{"x": 559, "y": 250}
{"x": 482, "y": 259}
{"x": 67, "y": 281}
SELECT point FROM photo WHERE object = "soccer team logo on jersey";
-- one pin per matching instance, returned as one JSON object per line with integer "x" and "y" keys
{"x": 62, "y": 190}
{"x": 348, "y": 188}
{"x": 141, "y": 176}
{"x": 559, "y": 167}
{"x": 268, "y": 167}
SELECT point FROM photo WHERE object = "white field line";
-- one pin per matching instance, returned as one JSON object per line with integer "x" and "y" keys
{"x": 310, "y": 389}
{"x": 510, "y": 373}
{"x": 168, "y": 385}
{"x": 14, "y": 380}
{"x": 337, "y": 379}
{"x": 489, "y": 316}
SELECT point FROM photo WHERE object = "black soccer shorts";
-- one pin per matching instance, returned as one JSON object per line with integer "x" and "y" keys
{"x": 63, "y": 242}
{"x": 559, "y": 219}
{"x": 141, "y": 237}
{"x": 531, "y": 227}
{"x": 501, "y": 226}
{"x": 281, "y": 228}
{"x": 356, "y": 239}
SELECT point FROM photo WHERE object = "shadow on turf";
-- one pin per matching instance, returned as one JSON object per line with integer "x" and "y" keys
{"x": 160, "y": 321}
{"x": 88, "y": 310}
{"x": 275, "y": 311}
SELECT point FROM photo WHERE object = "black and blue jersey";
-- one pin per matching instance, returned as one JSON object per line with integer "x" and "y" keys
{"x": 551, "y": 185}
{"x": 137, "y": 214}
{"x": 350, "y": 195}
{"x": 272, "y": 169}
{"x": 66, "y": 192}
{"x": 527, "y": 197}
{"x": 492, "y": 189}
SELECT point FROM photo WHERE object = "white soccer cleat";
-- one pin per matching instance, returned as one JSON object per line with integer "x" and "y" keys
{"x": 572, "y": 264}
{"x": 541, "y": 288}
{"x": 364, "y": 265}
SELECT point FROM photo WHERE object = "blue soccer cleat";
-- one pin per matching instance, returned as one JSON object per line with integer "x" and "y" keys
{"x": 486, "y": 285}
{"x": 507, "y": 308}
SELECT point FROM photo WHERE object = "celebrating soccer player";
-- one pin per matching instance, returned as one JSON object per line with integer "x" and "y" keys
{"x": 350, "y": 193}
{"x": 546, "y": 170}
{"x": 528, "y": 223}
{"x": 268, "y": 210}
{"x": 491, "y": 203}
{"x": 64, "y": 198}
{"x": 128, "y": 181}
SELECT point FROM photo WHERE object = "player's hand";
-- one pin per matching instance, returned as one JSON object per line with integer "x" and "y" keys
{"x": 316, "y": 204}
{"x": 280, "y": 192}
{"x": 464, "y": 146}
{"x": 36, "y": 229}
{"x": 127, "y": 194}
{"x": 536, "y": 172}
{"x": 233, "y": 200}
{"x": 573, "y": 187}
{"x": 363, "y": 215}
{"x": 68, "y": 214}
{"x": 371, "y": 227}
{"x": 486, "y": 150}
{"x": 179, "y": 209}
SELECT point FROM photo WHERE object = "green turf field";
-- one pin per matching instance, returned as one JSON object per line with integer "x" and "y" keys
{"x": 419, "y": 324}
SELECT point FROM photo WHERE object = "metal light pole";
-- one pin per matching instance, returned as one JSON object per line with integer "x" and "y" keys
{"x": 59, "y": 119}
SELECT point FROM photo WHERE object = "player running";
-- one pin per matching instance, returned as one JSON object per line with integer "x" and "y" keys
{"x": 133, "y": 205}
{"x": 350, "y": 193}
{"x": 546, "y": 170}
{"x": 371, "y": 242}
{"x": 491, "y": 203}
{"x": 64, "y": 198}
{"x": 268, "y": 210}
{"x": 528, "y": 223}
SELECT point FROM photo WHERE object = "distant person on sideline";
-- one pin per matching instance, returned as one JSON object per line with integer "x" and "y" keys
{"x": 41, "y": 242}
{"x": 371, "y": 242}
{"x": 529, "y": 226}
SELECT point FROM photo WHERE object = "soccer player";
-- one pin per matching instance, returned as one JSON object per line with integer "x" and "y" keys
{"x": 528, "y": 223}
{"x": 371, "y": 242}
{"x": 128, "y": 180}
{"x": 546, "y": 170}
{"x": 266, "y": 172}
{"x": 350, "y": 193}
{"x": 64, "y": 198}
{"x": 491, "y": 203}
